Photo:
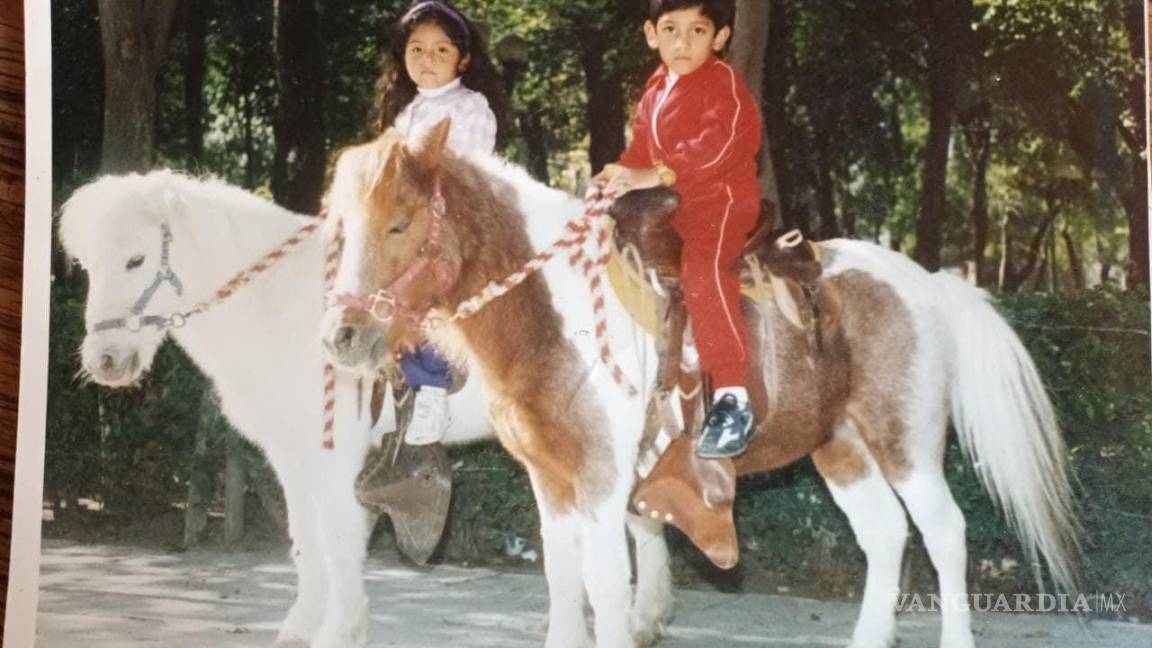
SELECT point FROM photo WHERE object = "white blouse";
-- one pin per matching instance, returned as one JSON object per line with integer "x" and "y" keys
{"x": 473, "y": 122}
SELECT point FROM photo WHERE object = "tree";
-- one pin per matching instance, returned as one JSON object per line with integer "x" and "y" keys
{"x": 135, "y": 41}
{"x": 946, "y": 24}
{"x": 1075, "y": 68}
{"x": 299, "y": 162}
{"x": 749, "y": 55}
{"x": 195, "y": 22}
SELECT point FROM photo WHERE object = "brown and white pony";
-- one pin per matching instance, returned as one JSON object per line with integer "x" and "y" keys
{"x": 435, "y": 229}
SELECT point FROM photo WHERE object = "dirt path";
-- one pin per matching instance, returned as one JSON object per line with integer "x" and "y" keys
{"x": 99, "y": 596}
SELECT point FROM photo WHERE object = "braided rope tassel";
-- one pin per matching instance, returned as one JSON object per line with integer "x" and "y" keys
{"x": 594, "y": 267}
{"x": 331, "y": 267}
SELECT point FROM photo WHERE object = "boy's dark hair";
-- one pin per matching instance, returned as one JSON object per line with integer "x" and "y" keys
{"x": 721, "y": 12}
{"x": 395, "y": 90}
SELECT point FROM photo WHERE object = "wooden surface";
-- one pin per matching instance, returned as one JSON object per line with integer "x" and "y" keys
{"x": 11, "y": 258}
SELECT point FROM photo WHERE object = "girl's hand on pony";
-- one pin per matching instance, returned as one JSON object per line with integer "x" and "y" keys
{"x": 622, "y": 179}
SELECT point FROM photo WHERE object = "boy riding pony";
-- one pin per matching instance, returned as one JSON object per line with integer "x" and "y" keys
{"x": 697, "y": 130}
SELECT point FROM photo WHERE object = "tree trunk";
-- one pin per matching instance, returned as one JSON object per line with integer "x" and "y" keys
{"x": 824, "y": 186}
{"x": 195, "y": 33}
{"x": 945, "y": 23}
{"x": 532, "y": 129}
{"x": 1136, "y": 206}
{"x": 775, "y": 92}
{"x": 300, "y": 160}
{"x": 979, "y": 137}
{"x": 606, "y": 119}
{"x": 201, "y": 475}
{"x": 235, "y": 487}
{"x": 1014, "y": 280}
{"x": 749, "y": 55}
{"x": 1075, "y": 263}
{"x": 134, "y": 34}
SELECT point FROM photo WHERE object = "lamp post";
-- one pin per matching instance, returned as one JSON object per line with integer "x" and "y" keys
{"x": 512, "y": 52}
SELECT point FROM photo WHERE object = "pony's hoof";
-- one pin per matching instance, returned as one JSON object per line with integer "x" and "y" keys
{"x": 650, "y": 626}
{"x": 649, "y": 635}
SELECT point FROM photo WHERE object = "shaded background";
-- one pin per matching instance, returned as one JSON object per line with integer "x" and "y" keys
{"x": 1002, "y": 139}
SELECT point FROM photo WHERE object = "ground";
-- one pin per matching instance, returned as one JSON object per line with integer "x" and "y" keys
{"x": 105, "y": 596}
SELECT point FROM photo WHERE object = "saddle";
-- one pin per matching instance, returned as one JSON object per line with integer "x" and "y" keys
{"x": 673, "y": 485}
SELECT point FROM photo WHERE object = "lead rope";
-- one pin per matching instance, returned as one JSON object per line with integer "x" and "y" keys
{"x": 331, "y": 267}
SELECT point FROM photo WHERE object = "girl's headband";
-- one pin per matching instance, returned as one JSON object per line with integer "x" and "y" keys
{"x": 433, "y": 5}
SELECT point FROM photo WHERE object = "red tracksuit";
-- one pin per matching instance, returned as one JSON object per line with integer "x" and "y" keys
{"x": 707, "y": 131}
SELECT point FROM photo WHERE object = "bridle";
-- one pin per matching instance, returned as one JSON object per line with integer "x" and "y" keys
{"x": 164, "y": 274}
{"x": 136, "y": 320}
{"x": 385, "y": 304}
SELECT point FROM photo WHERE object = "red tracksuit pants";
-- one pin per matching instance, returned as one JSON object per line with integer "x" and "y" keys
{"x": 715, "y": 225}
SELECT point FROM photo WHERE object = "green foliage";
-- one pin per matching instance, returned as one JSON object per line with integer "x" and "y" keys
{"x": 491, "y": 502}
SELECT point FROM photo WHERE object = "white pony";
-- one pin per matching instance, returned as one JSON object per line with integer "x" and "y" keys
{"x": 918, "y": 342}
{"x": 161, "y": 245}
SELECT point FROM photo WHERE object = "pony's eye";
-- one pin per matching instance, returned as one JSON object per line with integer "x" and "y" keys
{"x": 134, "y": 262}
{"x": 398, "y": 228}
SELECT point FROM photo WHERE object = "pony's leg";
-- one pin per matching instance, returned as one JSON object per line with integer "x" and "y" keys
{"x": 929, "y": 501}
{"x": 606, "y": 570}
{"x": 880, "y": 526}
{"x": 560, "y": 535}
{"x": 653, "y": 605}
{"x": 311, "y": 586}
{"x": 343, "y": 528}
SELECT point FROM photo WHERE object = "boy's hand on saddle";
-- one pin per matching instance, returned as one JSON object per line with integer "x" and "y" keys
{"x": 622, "y": 179}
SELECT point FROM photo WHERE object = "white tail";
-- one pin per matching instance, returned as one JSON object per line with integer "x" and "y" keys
{"x": 1008, "y": 429}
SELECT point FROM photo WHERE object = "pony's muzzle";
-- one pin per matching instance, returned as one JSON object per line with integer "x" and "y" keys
{"x": 113, "y": 366}
{"x": 355, "y": 346}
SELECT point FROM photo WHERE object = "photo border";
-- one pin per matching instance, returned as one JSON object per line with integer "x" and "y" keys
{"x": 24, "y": 556}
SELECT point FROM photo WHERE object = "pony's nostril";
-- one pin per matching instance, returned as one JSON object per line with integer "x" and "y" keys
{"x": 344, "y": 337}
{"x": 107, "y": 362}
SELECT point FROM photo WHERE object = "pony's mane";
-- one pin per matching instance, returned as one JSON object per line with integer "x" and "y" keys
{"x": 112, "y": 203}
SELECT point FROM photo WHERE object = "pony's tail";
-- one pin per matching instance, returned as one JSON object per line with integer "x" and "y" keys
{"x": 1008, "y": 429}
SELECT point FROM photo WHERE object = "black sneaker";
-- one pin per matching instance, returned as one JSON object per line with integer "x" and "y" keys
{"x": 726, "y": 430}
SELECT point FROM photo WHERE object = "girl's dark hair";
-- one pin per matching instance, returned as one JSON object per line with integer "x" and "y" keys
{"x": 721, "y": 12}
{"x": 395, "y": 90}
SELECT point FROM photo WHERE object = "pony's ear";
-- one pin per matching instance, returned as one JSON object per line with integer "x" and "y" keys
{"x": 431, "y": 149}
{"x": 386, "y": 171}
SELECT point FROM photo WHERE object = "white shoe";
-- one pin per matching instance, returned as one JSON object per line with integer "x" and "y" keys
{"x": 429, "y": 417}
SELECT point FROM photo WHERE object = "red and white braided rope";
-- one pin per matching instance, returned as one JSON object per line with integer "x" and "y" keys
{"x": 331, "y": 267}
{"x": 585, "y": 242}
{"x": 267, "y": 261}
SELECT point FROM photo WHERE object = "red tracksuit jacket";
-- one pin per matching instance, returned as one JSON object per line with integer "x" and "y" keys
{"x": 707, "y": 131}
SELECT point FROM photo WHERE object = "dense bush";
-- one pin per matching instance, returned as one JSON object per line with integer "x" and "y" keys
{"x": 131, "y": 448}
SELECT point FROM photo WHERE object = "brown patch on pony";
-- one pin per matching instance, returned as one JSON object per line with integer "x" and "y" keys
{"x": 842, "y": 460}
{"x": 879, "y": 329}
{"x": 546, "y": 412}
{"x": 812, "y": 389}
